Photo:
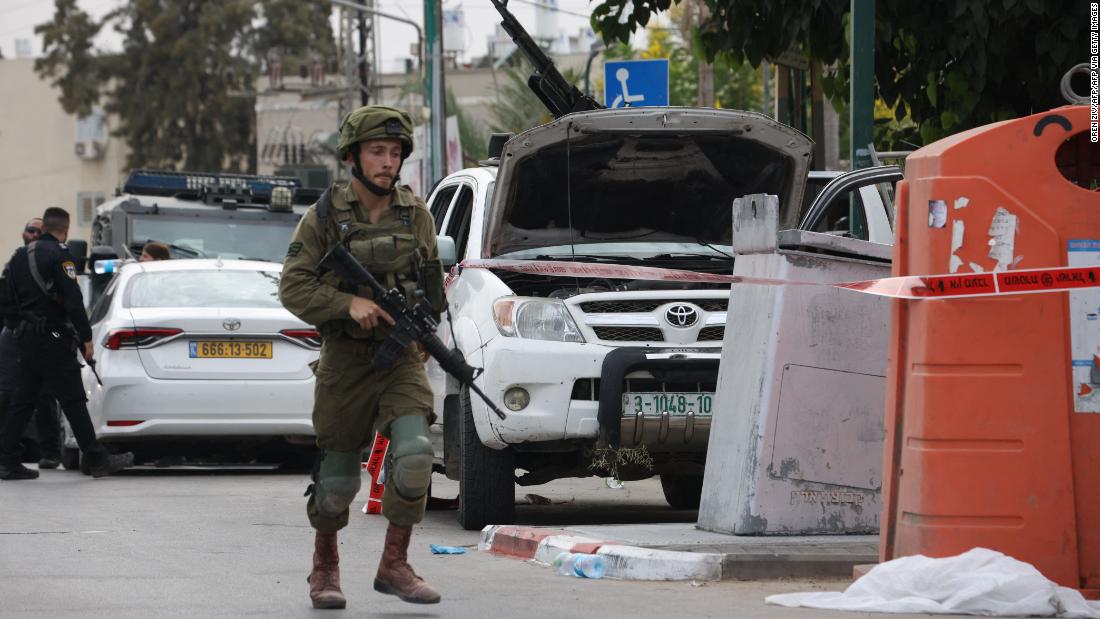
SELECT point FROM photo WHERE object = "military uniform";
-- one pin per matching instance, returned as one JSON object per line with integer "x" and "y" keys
{"x": 51, "y": 312}
{"x": 352, "y": 398}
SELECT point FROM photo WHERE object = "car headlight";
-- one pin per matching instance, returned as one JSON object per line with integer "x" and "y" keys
{"x": 535, "y": 319}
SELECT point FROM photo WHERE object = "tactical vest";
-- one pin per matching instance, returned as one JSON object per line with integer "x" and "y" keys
{"x": 387, "y": 249}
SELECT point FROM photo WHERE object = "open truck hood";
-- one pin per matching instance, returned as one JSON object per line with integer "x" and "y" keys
{"x": 641, "y": 175}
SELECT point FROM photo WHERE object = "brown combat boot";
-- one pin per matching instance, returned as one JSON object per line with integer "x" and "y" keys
{"x": 395, "y": 576}
{"x": 324, "y": 580}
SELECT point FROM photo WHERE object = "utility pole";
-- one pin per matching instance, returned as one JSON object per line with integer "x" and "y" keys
{"x": 433, "y": 35}
{"x": 364, "y": 71}
{"x": 862, "y": 106}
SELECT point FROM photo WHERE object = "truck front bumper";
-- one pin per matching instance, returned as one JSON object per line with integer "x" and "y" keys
{"x": 575, "y": 392}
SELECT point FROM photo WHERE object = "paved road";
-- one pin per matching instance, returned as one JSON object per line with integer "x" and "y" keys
{"x": 236, "y": 543}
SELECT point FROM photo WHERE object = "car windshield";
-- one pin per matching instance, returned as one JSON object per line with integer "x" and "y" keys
{"x": 194, "y": 238}
{"x": 194, "y": 288}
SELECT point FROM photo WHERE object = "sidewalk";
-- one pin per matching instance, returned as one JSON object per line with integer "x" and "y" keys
{"x": 679, "y": 551}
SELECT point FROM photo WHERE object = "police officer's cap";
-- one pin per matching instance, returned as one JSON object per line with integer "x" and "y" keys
{"x": 372, "y": 122}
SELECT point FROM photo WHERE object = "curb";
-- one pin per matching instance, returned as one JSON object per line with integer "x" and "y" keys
{"x": 623, "y": 562}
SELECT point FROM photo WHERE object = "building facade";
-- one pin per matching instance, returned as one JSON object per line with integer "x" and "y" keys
{"x": 50, "y": 158}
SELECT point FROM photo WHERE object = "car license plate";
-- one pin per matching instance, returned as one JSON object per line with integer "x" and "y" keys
{"x": 230, "y": 349}
{"x": 675, "y": 404}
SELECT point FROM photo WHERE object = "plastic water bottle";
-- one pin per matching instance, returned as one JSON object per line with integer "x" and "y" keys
{"x": 104, "y": 267}
{"x": 581, "y": 565}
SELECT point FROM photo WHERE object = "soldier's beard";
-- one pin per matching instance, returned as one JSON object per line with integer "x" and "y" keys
{"x": 378, "y": 190}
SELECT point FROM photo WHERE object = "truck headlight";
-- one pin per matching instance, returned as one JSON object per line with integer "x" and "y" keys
{"x": 535, "y": 319}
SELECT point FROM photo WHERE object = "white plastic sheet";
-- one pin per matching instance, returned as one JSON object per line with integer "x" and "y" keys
{"x": 977, "y": 582}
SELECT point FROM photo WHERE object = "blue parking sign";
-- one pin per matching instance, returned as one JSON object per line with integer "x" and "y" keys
{"x": 635, "y": 83}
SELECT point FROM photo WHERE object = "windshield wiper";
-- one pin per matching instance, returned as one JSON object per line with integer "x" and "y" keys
{"x": 702, "y": 242}
{"x": 689, "y": 255}
{"x": 594, "y": 257}
{"x": 188, "y": 250}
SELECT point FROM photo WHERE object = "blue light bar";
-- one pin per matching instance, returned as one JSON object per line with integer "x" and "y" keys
{"x": 195, "y": 185}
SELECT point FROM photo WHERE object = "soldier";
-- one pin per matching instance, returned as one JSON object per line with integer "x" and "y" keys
{"x": 389, "y": 230}
{"x": 41, "y": 280}
{"x": 46, "y": 415}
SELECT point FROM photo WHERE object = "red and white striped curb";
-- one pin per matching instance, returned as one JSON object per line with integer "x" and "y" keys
{"x": 623, "y": 562}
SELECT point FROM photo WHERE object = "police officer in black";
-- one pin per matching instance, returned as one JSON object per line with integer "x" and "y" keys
{"x": 47, "y": 415}
{"x": 41, "y": 280}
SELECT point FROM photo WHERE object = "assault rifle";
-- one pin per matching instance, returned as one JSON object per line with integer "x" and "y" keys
{"x": 558, "y": 95}
{"x": 412, "y": 324}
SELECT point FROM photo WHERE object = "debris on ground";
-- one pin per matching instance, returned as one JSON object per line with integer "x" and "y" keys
{"x": 446, "y": 550}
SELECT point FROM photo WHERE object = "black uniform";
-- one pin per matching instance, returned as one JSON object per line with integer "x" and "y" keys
{"x": 47, "y": 417}
{"x": 47, "y": 347}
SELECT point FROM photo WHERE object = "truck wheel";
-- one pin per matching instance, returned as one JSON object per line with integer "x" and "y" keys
{"x": 682, "y": 491}
{"x": 70, "y": 458}
{"x": 486, "y": 479}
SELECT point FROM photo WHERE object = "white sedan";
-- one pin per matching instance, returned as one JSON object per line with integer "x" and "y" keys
{"x": 199, "y": 358}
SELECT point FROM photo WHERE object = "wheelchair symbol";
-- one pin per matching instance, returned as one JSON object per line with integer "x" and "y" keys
{"x": 625, "y": 99}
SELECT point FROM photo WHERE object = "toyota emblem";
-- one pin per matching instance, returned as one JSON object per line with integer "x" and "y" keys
{"x": 681, "y": 316}
{"x": 231, "y": 324}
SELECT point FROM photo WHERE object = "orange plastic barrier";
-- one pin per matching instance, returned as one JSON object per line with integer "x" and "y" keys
{"x": 993, "y": 404}
{"x": 373, "y": 466}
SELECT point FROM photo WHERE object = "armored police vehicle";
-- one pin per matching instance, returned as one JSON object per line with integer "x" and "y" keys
{"x": 198, "y": 215}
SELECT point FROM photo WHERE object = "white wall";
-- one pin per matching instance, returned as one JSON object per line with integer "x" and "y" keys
{"x": 38, "y": 166}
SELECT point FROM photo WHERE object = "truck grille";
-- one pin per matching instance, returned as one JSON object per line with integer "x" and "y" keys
{"x": 648, "y": 305}
{"x": 712, "y": 334}
{"x": 629, "y": 334}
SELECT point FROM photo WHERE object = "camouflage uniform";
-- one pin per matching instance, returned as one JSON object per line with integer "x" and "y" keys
{"x": 353, "y": 399}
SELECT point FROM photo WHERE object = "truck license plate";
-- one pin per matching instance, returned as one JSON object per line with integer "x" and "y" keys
{"x": 675, "y": 404}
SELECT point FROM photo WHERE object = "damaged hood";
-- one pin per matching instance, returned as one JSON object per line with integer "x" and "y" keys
{"x": 657, "y": 176}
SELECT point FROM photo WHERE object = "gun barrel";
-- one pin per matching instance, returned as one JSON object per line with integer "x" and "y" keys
{"x": 557, "y": 94}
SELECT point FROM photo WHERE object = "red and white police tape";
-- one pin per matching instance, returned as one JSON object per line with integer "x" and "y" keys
{"x": 905, "y": 287}
{"x": 373, "y": 465}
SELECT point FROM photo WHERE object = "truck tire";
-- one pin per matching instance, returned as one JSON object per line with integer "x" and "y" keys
{"x": 486, "y": 479}
{"x": 452, "y": 436}
{"x": 682, "y": 491}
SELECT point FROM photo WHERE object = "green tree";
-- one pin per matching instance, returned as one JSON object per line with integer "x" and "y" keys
{"x": 736, "y": 85}
{"x": 183, "y": 85}
{"x": 472, "y": 135}
{"x": 946, "y": 66}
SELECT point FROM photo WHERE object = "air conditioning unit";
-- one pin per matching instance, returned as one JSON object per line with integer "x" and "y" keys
{"x": 89, "y": 149}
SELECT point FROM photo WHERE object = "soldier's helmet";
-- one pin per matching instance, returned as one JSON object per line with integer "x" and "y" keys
{"x": 372, "y": 122}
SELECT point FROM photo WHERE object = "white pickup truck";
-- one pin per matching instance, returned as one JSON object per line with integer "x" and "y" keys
{"x": 580, "y": 363}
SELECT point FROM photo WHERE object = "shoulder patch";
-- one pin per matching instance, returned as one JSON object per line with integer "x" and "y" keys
{"x": 70, "y": 269}
{"x": 294, "y": 249}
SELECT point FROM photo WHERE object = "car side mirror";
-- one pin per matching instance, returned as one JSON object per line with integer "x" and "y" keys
{"x": 446, "y": 247}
